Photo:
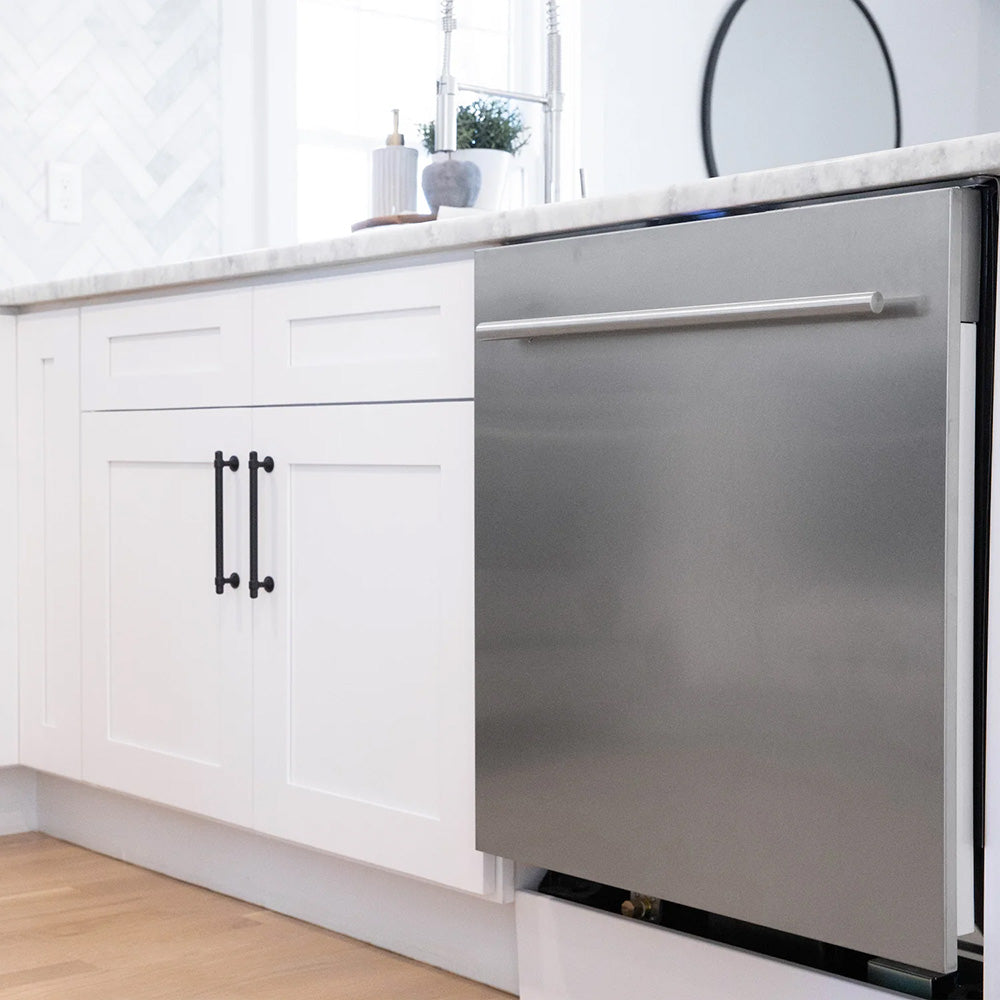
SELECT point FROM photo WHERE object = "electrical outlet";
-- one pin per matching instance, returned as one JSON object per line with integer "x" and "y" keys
{"x": 65, "y": 192}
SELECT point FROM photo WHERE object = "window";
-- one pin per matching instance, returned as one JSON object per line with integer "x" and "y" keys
{"x": 356, "y": 60}
{"x": 308, "y": 88}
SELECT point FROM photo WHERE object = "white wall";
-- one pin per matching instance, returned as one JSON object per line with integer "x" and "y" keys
{"x": 934, "y": 46}
{"x": 641, "y": 91}
{"x": 988, "y": 105}
{"x": 644, "y": 64}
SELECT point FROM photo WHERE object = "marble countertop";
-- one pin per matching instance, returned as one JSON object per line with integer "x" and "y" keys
{"x": 954, "y": 158}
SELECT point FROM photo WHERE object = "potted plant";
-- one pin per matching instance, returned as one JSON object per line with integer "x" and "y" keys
{"x": 489, "y": 133}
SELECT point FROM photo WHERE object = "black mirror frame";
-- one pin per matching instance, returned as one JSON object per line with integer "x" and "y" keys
{"x": 713, "y": 58}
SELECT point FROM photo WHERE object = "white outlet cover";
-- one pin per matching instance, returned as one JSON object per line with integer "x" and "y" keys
{"x": 65, "y": 192}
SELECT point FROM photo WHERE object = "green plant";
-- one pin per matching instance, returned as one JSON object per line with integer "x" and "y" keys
{"x": 484, "y": 125}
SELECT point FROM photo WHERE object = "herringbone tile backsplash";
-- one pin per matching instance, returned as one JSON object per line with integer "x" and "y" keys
{"x": 128, "y": 89}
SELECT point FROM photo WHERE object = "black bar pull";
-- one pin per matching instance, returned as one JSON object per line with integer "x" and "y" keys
{"x": 267, "y": 464}
{"x": 234, "y": 578}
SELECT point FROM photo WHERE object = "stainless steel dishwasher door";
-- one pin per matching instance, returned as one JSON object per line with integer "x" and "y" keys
{"x": 716, "y": 566}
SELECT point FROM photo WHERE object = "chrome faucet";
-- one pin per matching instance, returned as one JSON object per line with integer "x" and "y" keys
{"x": 445, "y": 130}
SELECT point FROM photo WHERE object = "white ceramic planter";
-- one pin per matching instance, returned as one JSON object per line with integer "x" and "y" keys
{"x": 494, "y": 165}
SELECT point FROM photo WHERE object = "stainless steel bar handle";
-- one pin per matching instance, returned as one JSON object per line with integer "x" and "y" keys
{"x": 849, "y": 304}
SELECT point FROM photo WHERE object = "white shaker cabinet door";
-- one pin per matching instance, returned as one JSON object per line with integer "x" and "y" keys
{"x": 363, "y": 652}
{"x": 48, "y": 478}
{"x": 166, "y": 660}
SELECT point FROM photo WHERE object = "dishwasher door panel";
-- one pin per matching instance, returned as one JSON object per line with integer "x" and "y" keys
{"x": 716, "y": 572}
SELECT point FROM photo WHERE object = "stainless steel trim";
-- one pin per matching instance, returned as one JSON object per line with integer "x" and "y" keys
{"x": 511, "y": 95}
{"x": 551, "y": 101}
{"x": 849, "y": 304}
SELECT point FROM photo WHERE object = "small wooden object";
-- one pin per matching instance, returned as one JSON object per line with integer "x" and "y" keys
{"x": 392, "y": 220}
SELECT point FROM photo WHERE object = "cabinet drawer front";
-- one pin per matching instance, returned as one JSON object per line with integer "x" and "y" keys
{"x": 179, "y": 351}
{"x": 375, "y": 337}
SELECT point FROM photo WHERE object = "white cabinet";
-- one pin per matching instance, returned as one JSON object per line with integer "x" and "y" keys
{"x": 336, "y": 711}
{"x": 363, "y": 681}
{"x": 8, "y": 541}
{"x": 48, "y": 478}
{"x": 171, "y": 351}
{"x": 362, "y": 726}
{"x": 166, "y": 660}
{"x": 393, "y": 334}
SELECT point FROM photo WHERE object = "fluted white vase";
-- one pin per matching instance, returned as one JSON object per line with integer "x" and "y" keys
{"x": 394, "y": 180}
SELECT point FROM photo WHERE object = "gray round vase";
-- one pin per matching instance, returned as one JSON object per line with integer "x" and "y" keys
{"x": 451, "y": 182}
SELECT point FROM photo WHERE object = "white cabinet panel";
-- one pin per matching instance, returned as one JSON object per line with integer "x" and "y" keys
{"x": 166, "y": 660}
{"x": 363, "y": 653}
{"x": 389, "y": 335}
{"x": 48, "y": 476}
{"x": 173, "y": 351}
{"x": 8, "y": 541}
{"x": 394, "y": 561}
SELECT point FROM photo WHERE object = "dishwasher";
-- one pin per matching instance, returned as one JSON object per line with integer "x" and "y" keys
{"x": 725, "y": 541}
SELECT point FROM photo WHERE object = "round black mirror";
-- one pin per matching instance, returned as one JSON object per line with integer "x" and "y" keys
{"x": 790, "y": 81}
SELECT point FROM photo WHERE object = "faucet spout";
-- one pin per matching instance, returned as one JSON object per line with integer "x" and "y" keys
{"x": 445, "y": 129}
{"x": 553, "y": 103}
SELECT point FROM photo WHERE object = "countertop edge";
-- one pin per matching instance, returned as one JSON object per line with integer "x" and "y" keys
{"x": 940, "y": 161}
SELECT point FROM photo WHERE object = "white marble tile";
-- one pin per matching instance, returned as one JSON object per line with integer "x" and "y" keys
{"x": 126, "y": 90}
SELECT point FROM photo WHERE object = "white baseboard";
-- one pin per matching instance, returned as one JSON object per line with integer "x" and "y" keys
{"x": 18, "y": 806}
{"x": 451, "y": 930}
{"x": 571, "y": 952}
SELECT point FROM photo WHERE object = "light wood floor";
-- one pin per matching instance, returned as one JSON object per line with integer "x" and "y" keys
{"x": 75, "y": 925}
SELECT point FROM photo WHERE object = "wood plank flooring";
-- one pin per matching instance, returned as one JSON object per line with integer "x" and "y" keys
{"x": 75, "y": 925}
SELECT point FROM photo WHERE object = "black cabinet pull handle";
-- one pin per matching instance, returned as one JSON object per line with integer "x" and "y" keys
{"x": 267, "y": 464}
{"x": 234, "y": 578}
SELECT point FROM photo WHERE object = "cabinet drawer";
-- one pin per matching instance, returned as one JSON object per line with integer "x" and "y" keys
{"x": 374, "y": 337}
{"x": 176, "y": 351}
